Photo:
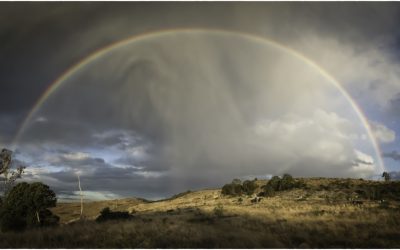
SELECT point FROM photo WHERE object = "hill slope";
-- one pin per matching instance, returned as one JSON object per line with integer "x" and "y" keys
{"x": 324, "y": 213}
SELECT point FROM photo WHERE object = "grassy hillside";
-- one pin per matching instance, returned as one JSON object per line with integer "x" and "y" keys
{"x": 324, "y": 213}
{"x": 70, "y": 211}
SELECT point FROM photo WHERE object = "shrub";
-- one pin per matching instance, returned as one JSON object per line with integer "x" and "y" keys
{"x": 249, "y": 187}
{"x": 107, "y": 214}
{"x": 279, "y": 184}
{"x": 268, "y": 191}
{"x": 287, "y": 182}
{"x": 236, "y": 181}
{"x": 237, "y": 188}
{"x": 232, "y": 189}
{"x": 274, "y": 183}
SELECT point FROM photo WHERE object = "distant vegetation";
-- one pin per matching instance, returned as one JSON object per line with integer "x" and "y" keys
{"x": 237, "y": 188}
{"x": 275, "y": 184}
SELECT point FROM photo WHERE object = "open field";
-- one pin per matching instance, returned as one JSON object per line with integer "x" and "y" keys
{"x": 326, "y": 213}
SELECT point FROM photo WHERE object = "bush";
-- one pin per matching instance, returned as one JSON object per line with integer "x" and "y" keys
{"x": 237, "y": 182}
{"x": 26, "y": 206}
{"x": 287, "y": 182}
{"x": 249, "y": 187}
{"x": 232, "y": 189}
{"x": 106, "y": 214}
{"x": 274, "y": 183}
{"x": 280, "y": 184}
{"x": 268, "y": 191}
{"x": 237, "y": 188}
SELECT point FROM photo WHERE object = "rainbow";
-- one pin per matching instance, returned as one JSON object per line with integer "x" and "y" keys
{"x": 154, "y": 34}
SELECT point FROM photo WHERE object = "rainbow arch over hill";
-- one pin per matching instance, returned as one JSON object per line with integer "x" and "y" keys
{"x": 155, "y": 34}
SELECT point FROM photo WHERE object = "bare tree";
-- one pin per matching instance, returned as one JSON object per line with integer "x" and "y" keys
{"x": 9, "y": 176}
{"x": 80, "y": 193}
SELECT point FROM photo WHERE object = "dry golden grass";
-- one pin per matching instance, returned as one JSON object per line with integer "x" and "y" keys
{"x": 70, "y": 211}
{"x": 309, "y": 218}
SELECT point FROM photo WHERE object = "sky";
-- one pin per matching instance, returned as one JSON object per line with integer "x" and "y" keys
{"x": 150, "y": 99}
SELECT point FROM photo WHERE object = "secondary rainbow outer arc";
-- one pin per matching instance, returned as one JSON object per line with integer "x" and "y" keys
{"x": 150, "y": 35}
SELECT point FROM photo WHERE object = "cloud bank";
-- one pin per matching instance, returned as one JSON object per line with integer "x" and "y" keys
{"x": 193, "y": 110}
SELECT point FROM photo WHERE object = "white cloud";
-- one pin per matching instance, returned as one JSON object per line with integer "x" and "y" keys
{"x": 368, "y": 71}
{"x": 382, "y": 133}
{"x": 41, "y": 119}
{"x": 364, "y": 165}
{"x": 150, "y": 174}
{"x": 76, "y": 156}
{"x": 90, "y": 195}
{"x": 324, "y": 139}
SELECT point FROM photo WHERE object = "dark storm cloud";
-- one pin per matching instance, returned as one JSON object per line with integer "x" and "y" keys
{"x": 189, "y": 143}
{"x": 9, "y": 125}
{"x": 128, "y": 183}
{"x": 394, "y": 155}
{"x": 123, "y": 182}
{"x": 73, "y": 132}
{"x": 39, "y": 41}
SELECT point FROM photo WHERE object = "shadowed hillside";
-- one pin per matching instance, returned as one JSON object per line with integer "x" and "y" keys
{"x": 322, "y": 213}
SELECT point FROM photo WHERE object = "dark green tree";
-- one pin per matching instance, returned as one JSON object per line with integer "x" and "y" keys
{"x": 279, "y": 184}
{"x": 287, "y": 182}
{"x": 14, "y": 210}
{"x": 232, "y": 189}
{"x": 40, "y": 197}
{"x": 236, "y": 182}
{"x": 275, "y": 183}
{"x": 249, "y": 187}
{"x": 26, "y": 205}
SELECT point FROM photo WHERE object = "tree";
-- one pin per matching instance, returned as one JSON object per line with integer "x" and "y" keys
{"x": 386, "y": 175}
{"x": 14, "y": 210}
{"x": 249, "y": 187}
{"x": 280, "y": 184}
{"x": 81, "y": 195}
{"x": 275, "y": 183}
{"x": 39, "y": 197}
{"x": 9, "y": 176}
{"x": 236, "y": 182}
{"x": 287, "y": 182}
{"x": 232, "y": 189}
{"x": 26, "y": 205}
